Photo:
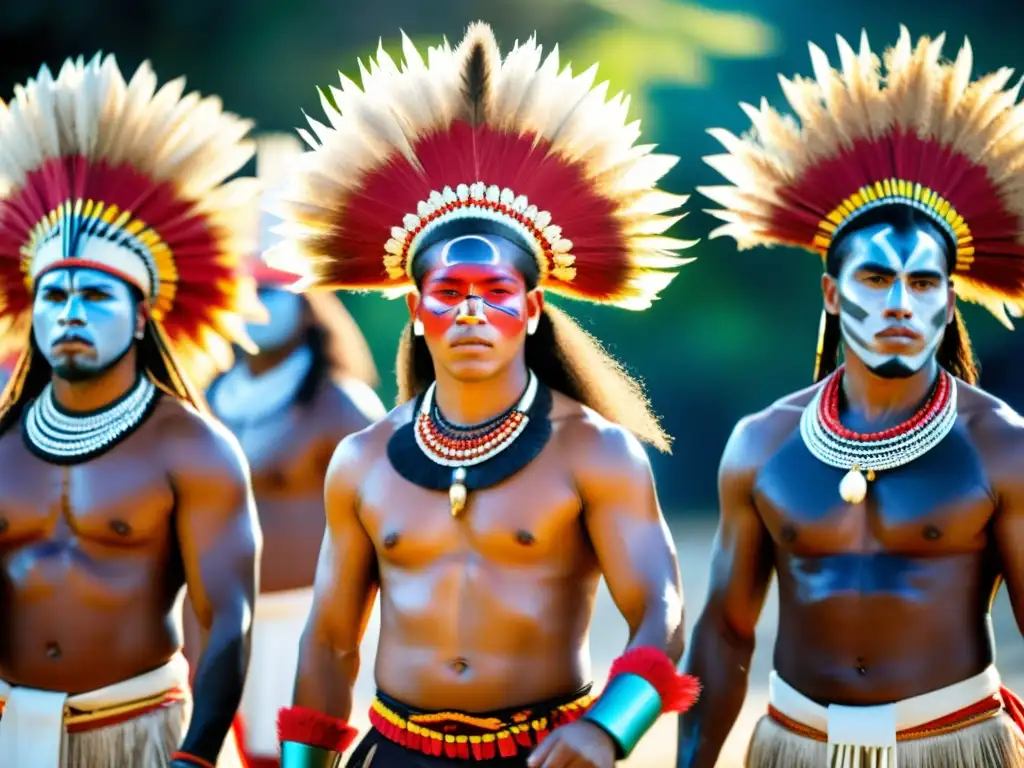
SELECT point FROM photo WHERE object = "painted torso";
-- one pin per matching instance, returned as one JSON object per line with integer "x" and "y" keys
{"x": 89, "y": 559}
{"x": 888, "y": 598}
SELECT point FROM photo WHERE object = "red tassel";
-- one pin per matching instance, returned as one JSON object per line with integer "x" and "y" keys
{"x": 542, "y": 733}
{"x": 522, "y": 737}
{"x": 450, "y": 750}
{"x": 506, "y": 746}
{"x": 678, "y": 692}
{"x": 477, "y": 748}
{"x": 436, "y": 746}
{"x": 1013, "y": 705}
{"x": 415, "y": 740}
{"x": 489, "y": 750}
{"x": 315, "y": 729}
{"x": 462, "y": 750}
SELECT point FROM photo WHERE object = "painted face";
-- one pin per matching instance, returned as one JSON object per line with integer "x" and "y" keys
{"x": 473, "y": 306}
{"x": 83, "y": 321}
{"x": 893, "y": 298}
{"x": 285, "y": 310}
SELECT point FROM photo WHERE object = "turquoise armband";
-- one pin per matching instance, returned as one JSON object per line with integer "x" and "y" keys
{"x": 296, "y": 755}
{"x": 626, "y": 710}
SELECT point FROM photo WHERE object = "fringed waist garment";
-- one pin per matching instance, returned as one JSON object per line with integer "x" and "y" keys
{"x": 975, "y": 722}
{"x": 136, "y": 722}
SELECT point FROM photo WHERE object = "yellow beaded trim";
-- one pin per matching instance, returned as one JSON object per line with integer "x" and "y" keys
{"x": 163, "y": 259}
{"x": 502, "y": 730}
{"x": 899, "y": 191}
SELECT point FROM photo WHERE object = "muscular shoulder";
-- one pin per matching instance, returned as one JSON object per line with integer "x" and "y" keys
{"x": 192, "y": 441}
{"x": 358, "y": 452}
{"x": 757, "y": 436}
{"x": 598, "y": 450}
{"x": 997, "y": 432}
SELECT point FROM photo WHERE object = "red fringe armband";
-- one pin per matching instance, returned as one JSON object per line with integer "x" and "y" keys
{"x": 314, "y": 729}
{"x": 678, "y": 692}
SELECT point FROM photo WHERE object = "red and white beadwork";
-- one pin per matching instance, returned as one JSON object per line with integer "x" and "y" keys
{"x": 453, "y": 452}
{"x": 833, "y": 444}
{"x": 480, "y": 201}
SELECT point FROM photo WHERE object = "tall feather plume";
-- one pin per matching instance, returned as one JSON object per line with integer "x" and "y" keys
{"x": 908, "y": 116}
{"x": 481, "y": 60}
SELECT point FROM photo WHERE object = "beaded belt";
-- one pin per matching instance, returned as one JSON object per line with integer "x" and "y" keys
{"x": 463, "y": 736}
{"x": 79, "y": 721}
{"x": 962, "y": 718}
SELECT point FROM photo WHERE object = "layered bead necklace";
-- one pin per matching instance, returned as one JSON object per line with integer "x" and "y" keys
{"x": 63, "y": 438}
{"x": 865, "y": 454}
{"x": 460, "y": 447}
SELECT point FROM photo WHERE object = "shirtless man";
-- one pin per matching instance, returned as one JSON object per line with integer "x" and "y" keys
{"x": 115, "y": 490}
{"x": 289, "y": 405}
{"x": 486, "y": 542}
{"x": 889, "y": 497}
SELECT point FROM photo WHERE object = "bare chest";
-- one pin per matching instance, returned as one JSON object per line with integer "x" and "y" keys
{"x": 288, "y": 452}
{"x": 531, "y": 519}
{"x": 122, "y": 498}
{"x": 938, "y": 504}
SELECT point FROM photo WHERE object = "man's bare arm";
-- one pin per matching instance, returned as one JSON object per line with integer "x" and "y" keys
{"x": 631, "y": 539}
{"x": 1002, "y": 443}
{"x": 343, "y": 593}
{"x": 220, "y": 542}
{"x": 723, "y": 638}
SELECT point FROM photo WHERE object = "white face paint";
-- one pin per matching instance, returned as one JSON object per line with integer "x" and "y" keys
{"x": 83, "y": 321}
{"x": 285, "y": 310}
{"x": 893, "y": 298}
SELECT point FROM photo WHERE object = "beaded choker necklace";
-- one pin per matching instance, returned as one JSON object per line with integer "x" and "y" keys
{"x": 433, "y": 453}
{"x": 832, "y": 443}
{"x": 60, "y": 437}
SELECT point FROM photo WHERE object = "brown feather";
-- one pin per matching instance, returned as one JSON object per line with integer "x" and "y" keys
{"x": 481, "y": 59}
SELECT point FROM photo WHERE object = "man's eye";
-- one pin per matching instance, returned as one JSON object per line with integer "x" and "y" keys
{"x": 55, "y": 296}
{"x": 95, "y": 295}
{"x": 451, "y": 293}
{"x": 500, "y": 292}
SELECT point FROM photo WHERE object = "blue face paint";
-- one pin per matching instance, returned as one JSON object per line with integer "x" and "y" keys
{"x": 83, "y": 321}
{"x": 285, "y": 310}
{"x": 893, "y": 298}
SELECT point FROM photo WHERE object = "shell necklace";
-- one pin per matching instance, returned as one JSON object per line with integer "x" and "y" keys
{"x": 868, "y": 453}
{"x": 62, "y": 437}
{"x": 460, "y": 447}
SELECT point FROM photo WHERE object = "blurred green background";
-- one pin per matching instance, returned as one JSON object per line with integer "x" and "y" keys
{"x": 735, "y": 330}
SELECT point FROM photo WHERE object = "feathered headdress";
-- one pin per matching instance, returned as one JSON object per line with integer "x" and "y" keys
{"x": 276, "y": 155}
{"x": 128, "y": 179}
{"x": 465, "y": 134}
{"x": 920, "y": 133}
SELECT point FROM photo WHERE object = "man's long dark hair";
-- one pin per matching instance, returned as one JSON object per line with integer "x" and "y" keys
{"x": 955, "y": 353}
{"x": 566, "y": 358}
{"x": 152, "y": 356}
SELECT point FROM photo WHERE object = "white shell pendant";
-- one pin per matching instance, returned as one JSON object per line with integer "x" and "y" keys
{"x": 854, "y": 486}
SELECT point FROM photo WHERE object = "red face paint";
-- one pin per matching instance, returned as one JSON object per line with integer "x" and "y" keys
{"x": 492, "y": 295}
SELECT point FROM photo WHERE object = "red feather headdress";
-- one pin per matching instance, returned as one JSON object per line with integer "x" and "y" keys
{"x": 128, "y": 179}
{"x": 922, "y": 134}
{"x": 466, "y": 134}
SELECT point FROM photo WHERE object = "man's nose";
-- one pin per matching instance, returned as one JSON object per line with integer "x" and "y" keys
{"x": 73, "y": 315}
{"x": 470, "y": 311}
{"x": 898, "y": 305}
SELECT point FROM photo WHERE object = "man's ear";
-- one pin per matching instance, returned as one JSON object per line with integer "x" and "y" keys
{"x": 534, "y": 309}
{"x": 830, "y": 292}
{"x": 140, "y": 320}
